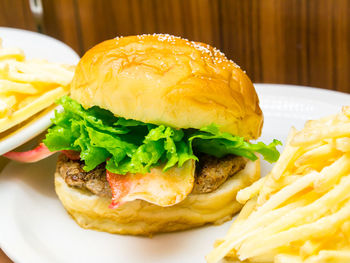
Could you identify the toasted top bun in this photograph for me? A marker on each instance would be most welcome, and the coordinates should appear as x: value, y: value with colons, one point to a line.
x: 163, y: 79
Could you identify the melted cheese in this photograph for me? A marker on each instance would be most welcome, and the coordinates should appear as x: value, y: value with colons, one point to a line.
x: 156, y: 187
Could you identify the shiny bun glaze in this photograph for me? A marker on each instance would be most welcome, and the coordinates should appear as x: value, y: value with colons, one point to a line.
x: 162, y: 79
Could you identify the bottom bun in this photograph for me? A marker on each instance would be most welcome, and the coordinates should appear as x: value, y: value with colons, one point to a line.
x: 142, y: 218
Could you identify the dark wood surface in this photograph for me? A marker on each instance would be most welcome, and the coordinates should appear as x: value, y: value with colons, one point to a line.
x: 4, y: 258
x: 304, y: 42
x: 275, y: 41
x: 16, y: 13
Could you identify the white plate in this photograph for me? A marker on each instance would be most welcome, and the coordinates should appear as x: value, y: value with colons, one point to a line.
x: 39, y: 46
x: 35, y: 228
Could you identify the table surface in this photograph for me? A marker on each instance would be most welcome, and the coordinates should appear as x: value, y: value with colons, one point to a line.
x: 3, y: 257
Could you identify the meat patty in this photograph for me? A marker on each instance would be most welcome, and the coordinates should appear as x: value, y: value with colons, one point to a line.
x: 95, y: 181
x: 211, y: 172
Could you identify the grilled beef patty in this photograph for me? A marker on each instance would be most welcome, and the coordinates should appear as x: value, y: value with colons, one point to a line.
x: 95, y: 181
x: 211, y: 172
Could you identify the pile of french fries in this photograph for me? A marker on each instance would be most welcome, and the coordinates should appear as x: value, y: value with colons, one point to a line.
x: 28, y: 86
x: 299, y: 212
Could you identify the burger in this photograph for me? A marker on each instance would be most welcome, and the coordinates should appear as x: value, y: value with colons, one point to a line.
x: 155, y: 136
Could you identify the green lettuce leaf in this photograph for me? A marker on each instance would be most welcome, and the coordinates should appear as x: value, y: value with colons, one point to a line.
x: 133, y: 146
x: 211, y: 141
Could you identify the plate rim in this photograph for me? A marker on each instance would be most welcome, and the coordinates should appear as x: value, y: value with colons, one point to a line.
x: 43, y: 122
x: 40, y: 35
x: 307, y: 89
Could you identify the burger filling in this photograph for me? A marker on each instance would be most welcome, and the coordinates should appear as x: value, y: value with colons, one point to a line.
x: 129, y: 159
x: 130, y: 146
x: 211, y: 173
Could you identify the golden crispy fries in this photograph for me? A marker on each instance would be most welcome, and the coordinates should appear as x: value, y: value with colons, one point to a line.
x: 249, y: 192
x: 300, y: 212
x: 311, y: 135
x: 346, y: 111
x: 7, y: 86
x: 6, y: 104
x: 28, y: 72
x: 330, y: 175
x: 287, y: 258
x: 318, y: 154
x: 343, y: 144
x: 28, y: 86
x: 11, y: 53
x: 32, y: 108
x: 330, y: 256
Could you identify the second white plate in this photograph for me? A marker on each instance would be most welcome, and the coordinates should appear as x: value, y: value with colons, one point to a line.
x: 37, y: 46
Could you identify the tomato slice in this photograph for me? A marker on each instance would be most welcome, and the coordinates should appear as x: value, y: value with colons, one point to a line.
x: 120, y: 187
x: 32, y: 156
x: 39, y: 153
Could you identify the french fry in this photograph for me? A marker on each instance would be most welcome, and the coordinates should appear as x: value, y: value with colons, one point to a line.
x: 287, y: 192
x: 301, y: 211
x: 321, y: 228
x: 310, y: 136
x: 24, y: 73
x: 36, y: 106
x: 28, y: 86
x: 256, y: 223
x: 11, y: 53
x: 6, y: 104
x: 287, y: 258
x: 249, y: 192
x: 331, y: 174
x: 243, y: 215
x: 269, y: 257
x: 330, y: 256
x: 346, y: 111
x: 343, y: 144
x: 307, y: 214
x: 309, y: 248
x: 239, y: 232
x: 287, y: 159
x: 7, y: 86
x: 293, y: 177
x: 318, y: 154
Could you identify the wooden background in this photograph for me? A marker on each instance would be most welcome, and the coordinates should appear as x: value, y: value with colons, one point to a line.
x: 305, y: 42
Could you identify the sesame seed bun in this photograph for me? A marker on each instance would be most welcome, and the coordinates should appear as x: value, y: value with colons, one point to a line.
x: 163, y: 79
